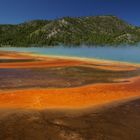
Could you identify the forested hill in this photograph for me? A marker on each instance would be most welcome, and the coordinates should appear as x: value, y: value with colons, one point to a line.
x: 93, y: 30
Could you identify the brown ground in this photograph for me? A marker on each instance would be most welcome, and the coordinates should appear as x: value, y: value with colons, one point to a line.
x: 117, y: 122
x: 29, y: 82
x: 59, y: 77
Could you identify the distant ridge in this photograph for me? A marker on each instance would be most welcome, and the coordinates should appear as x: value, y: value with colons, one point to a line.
x: 90, y: 30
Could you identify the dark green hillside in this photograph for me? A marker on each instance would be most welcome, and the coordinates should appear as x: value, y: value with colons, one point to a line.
x: 97, y: 30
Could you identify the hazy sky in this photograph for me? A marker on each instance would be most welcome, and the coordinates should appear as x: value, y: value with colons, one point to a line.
x: 16, y: 11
